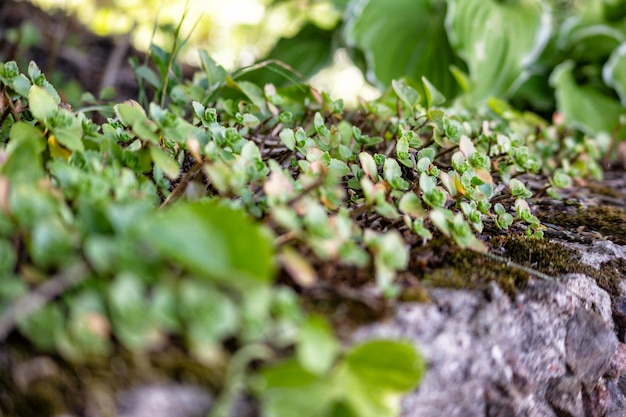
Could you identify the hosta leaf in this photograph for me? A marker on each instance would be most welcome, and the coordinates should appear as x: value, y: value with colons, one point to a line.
x: 498, y: 40
x: 584, y: 106
x: 307, y: 52
x: 213, y: 241
x: 614, y: 72
x: 403, y: 38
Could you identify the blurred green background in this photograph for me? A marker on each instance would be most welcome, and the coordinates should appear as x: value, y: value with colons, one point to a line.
x: 235, y: 32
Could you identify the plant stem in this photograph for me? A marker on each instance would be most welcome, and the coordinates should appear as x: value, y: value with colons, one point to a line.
x: 34, y: 300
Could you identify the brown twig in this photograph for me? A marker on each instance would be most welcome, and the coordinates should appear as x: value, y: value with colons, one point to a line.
x: 34, y: 300
x: 182, y: 185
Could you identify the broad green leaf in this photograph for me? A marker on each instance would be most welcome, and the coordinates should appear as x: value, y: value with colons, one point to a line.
x: 253, y: 92
x: 307, y: 52
x: 403, y: 38
x: 213, y: 241
x: 317, y: 346
x: 149, y: 75
x: 375, y: 374
x: 165, y: 162
x: 587, y: 42
x: 288, y: 390
x: 614, y: 72
x: 42, y: 105
x: 584, y: 106
x: 215, y: 73
x: 498, y: 40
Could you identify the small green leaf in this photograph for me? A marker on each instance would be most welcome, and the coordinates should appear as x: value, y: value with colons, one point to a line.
x: 43, y: 326
x: 427, y: 183
x: 209, y: 315
x: 128, y: 307
x: 402, y: 148
x: 433, y: 96
x: 149, y: 75
x: 407, y: 94
x: 42, y: 105
x: 51, y: 243
x: 440, y: 218
x: 411, y: 204
x: 369, y: 165
x: 518, y: 189
x: 165, y: 162
x: 130, y: 112
x: 561, y: 180
x: 393, y: 175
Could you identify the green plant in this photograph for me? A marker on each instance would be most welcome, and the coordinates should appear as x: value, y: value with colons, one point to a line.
x: 171, y: 219
x: 97, y: 251
x: 541, y: 55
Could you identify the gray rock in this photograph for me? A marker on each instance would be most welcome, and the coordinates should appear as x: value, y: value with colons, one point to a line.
x: 164, y: 400
x: 589, y: 345
x: 565, y: 396
x: 489, y: 355
x: 618, y: 400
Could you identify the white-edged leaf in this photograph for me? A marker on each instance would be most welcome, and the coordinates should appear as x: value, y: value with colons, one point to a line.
x: 498, y: 40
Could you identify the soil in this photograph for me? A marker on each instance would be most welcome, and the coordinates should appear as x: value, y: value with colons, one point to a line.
x: 573, y: 281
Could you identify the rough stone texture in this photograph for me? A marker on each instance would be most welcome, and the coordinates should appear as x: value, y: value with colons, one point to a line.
x: 542, y: 354
x: 164, y: 400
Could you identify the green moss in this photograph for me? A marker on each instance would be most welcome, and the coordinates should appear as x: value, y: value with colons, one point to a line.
x: 610, y: 221
x: 442, y: 264
x: 450, y: 267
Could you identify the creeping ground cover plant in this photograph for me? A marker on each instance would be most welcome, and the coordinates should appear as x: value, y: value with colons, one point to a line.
x: 205, y: 213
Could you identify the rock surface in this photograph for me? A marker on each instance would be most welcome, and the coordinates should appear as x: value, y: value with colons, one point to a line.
x: 545, y: 353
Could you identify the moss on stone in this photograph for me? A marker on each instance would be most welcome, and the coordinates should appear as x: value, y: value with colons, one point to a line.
x: 456, y: 268
x: 610, y: 221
